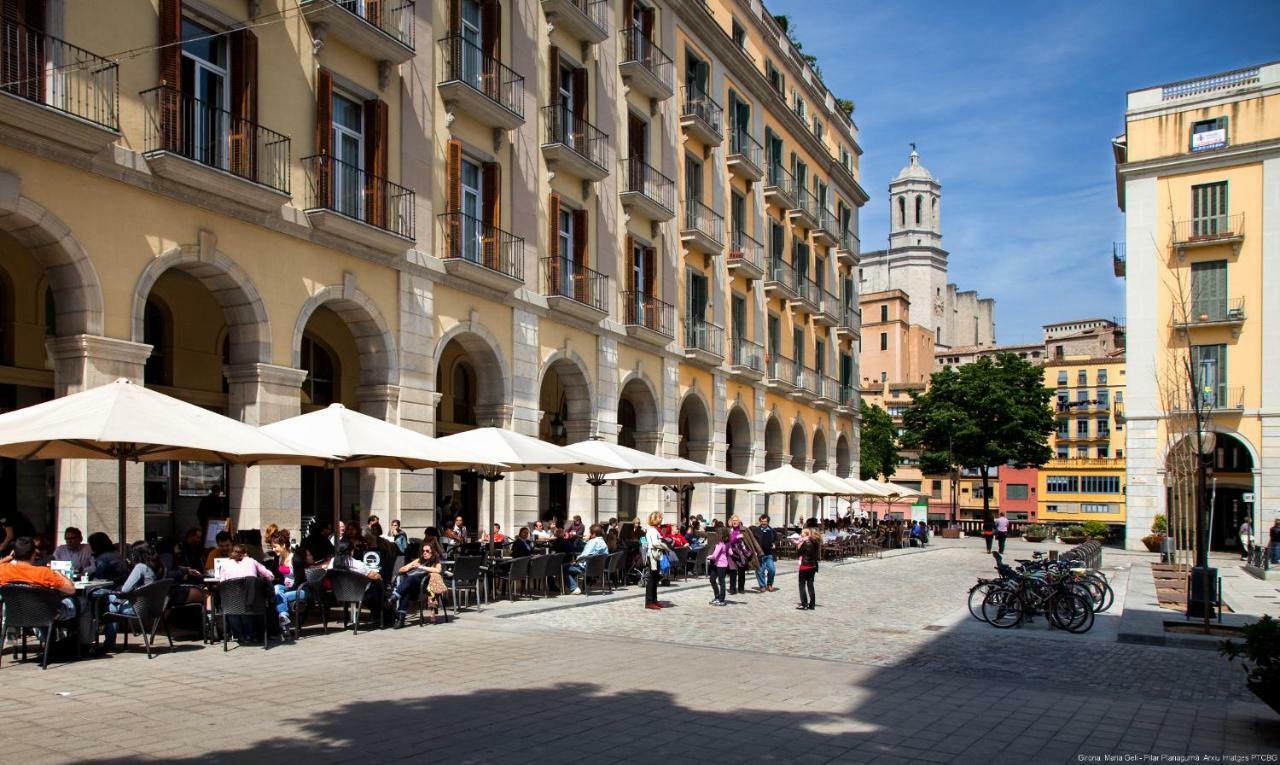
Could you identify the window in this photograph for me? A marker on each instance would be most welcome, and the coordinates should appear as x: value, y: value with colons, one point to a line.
x: 567, y: 251
x: 1051, y: 508
x: 884, y: 313
x: 936, y: 489
x: 1082, y: 427
x: 1062, y: 378
x: 473, y: 40
x: 1017, y: 491
x: 1208, y: 292
x: 1082, y: 396
x: 1210, y: 364
x: 1102, y: 377
x: 473, y: 212
x: 777, y: 241
x: 797, y: 347
x: 320, y: 388
x: 846, y: 159
x: 884, y: 341
x: 902, y: 211
x: 157, y: 331
x: 1100, y: 484
x: 739, y: 36
x: 692, y: 184
x: 1061, y: 484
x: 1082, y: 377
x: 1103, y: 452
x: 1062, y: 452
x: 817, y: 127
x: 206, y: 80
x: 1209, y: 210
x: 1064, y: 397
x: 777, y: 80
x: 1103, y: 427
x: 1209, y: 134
x: 1082, y: 452
x: 1089, y: 507
x: 1103, y: 396
x: 919, y: 208
x: 348, y: 153
x: 1064, y: 428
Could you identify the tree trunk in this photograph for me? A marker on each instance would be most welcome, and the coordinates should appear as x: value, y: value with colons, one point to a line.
x: 986, y: 496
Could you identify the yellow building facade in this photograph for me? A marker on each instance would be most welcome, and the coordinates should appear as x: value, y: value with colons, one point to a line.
x: 1198, y: 178
x: 550, y: 216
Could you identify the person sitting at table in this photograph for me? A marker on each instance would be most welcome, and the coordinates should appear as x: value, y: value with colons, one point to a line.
x: 238, y: 566
x: 146, y: 567
x: 106, y: 557
x: 522, y: 545
x: 540, y: 532
x: 561, y: 543
x: 222, y: 549
x: 398, y: 537
x: 458, y: 531
x: 18, y: 568
x: 75, y: 550
x: 347, y: 559
x: 411, y: 575
x: 595, y: 546
x: 288, y: 569
x: 575, y: 529
x: 190, y: 552
x: 497, y: 536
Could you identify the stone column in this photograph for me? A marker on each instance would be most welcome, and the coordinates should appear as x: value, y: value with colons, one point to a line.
x: 522, y: 489
x: 607, y: 392
x: 379, y: 487
x: 418, y: 396
x: 260, y: 394
x: 87, y: 489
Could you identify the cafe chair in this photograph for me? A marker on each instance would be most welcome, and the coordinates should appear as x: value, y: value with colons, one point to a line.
x: 148, y: 606
x: 35, y: 609
x: 246, y: 596
x: 555, y: 571
x: 514, y: 571
x: 595, y: 568
x: 349, y: 589
x: 538, y: 572
x: 466, y: 579
x: 617, y: 568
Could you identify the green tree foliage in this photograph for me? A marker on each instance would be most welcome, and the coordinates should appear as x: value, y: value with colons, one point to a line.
x: 879, y: 452
x: 846, y: 106
x: 980, y: 416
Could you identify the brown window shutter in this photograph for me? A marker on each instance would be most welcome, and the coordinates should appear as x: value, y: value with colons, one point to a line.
x: 453, y: 234
x: 244, y: 103
x: 628, y: 11
x: 580, y: 257
x: 170, y: 57
x: 455, y: 17
x: 376, y: 138
x: 324, y: 138
x: 631, y: 264
x: 491, y: 29
x: 491, y: 188
x: 22, y: 59
x: 553, y: 74
x: 580, y: 94
x: 646, y: 22
x: 373, y: 12
x: 553, y: 245
x: 651, y: 318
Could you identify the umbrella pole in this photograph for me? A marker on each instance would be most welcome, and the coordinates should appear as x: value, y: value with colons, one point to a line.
x: 493, y: 488
x: 122, y: 504
x: 337, y: 506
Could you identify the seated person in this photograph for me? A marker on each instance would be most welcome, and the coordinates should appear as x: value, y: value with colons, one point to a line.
x: 190, y: 552
x: 398, y: 537
x: 522, y: 545
x: 289, y: 570
x: 106, y: 557
x: 221, y: 550
x: 561, y: 543
x: 575, y: 529
x: 595, y: 546
x: 146, y: 568
x: 18, y: 568
x: 497, y: 537
x: 540, y: 532
x: 238, y: 566
x: 411, y: 576
x: 75, y: 550
x: 458, y: 531
x: 346, y: 559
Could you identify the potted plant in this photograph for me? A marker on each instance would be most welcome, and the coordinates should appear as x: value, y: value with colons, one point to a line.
x: 1036, y: 532
x: 1261, y: 652
x: 1159, y: 530
x: 1096, y: 530
x: 1073, y: 535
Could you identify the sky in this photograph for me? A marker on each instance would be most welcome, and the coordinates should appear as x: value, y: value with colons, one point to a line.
x: 1013, y: 107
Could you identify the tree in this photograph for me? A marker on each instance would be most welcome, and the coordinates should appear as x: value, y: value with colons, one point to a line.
x: 879, y: 450
x: 846, y: 106
x: 982, y: 415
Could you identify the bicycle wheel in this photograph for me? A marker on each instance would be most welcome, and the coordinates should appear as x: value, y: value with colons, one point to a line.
x: 1002, y: 608
x: 1071, y: 611
x: 977, y: 594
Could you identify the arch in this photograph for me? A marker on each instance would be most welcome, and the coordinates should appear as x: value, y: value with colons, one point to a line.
x: 772, y: 442
x: 819, y: 449
x: 694, y: 427
x: 573, y: 380
x: 902, y: 211
x: 76, y: 286
x: 231, y: 287
x: 919, y: 209
x: 379, y: 364
x: 639, y: 391
x: 798, y: 445
x: 493, y: 378
x: 843, y: 463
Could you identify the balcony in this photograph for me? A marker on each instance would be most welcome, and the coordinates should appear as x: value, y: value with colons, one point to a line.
x: 703, y: 342
x: 648, y: 319
x: 779, y: 372
x: 779, y: 187
x: 828, y: 391
x: 644, y: 66
x: 480, y: 253
x: 827, y: 231
x: 1220, y: 312
x: 1209, y: 232
x: 586, y: 20
x: 746, y: 256
x: 383, y: 30
x: 77, y: 103
x: 805, y: 210
x: 1118, y: 258
x: 480, y: 86
x: 850, y: 326
x: 574, y: 145
x: 700, y: 116
x: 850, y: 402
x: 345, y: 201
x: 806, y: 386
x: 808, y: 295
x: 746, y: 359
x: 744, y: 154
x: 781, y: 280
x: 198, y: 145
x: 647, y: 191
x: 847, y: 249
x: 573, y: 289
x: 829, y: 309
x: 1218, y: 398
x: 703, y: 228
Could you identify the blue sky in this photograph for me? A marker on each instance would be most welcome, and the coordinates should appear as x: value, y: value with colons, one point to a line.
x: 1013, y: 107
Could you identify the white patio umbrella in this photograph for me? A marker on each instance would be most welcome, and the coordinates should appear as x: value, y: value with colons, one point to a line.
x: 125, y: 422
x: 358, y: 440
x: 513, y: 451
x: 690, y: 474
x: 891, y: 492
x: 839, y: 486
x: 789, y: 480
x: 635, y: 459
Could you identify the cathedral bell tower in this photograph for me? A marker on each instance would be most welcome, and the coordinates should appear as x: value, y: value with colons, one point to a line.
x: 914, y: 200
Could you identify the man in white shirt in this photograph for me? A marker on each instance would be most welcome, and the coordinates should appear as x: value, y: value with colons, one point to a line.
x: 75, y: 550
x: 1002, y: 530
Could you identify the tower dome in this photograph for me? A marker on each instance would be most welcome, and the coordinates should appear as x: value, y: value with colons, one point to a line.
x: 914, y: 170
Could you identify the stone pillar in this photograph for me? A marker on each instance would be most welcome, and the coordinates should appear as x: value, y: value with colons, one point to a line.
x: 418, y: 396
x: 522, y: 489
x: 87, y: 489
x: 379, y: 487
x: 1267, y: 490
x: 260, y: 394
x: 607, y: 392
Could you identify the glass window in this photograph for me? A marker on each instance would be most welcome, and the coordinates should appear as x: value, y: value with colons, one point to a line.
x: 1082, y: 427
x: 348, y: 155
x: 1102, y: 377
x: 1062, y: 452
x: 1210, y: 364
x: 1209, y: 209
x: 1103, y: 452
x: 1064, y: 428
x: 1082, y: 377
x: 472, y: 212
x: 884, y: 341
x: 1018, y: 491
x: 1062, y: 377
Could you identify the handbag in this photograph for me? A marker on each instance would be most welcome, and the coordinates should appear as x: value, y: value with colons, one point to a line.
x: 664, y: 565
x: 436, y: 585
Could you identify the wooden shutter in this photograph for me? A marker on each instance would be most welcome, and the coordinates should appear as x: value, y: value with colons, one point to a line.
x: 580, y: 257
x: 324, y: 139
x: 553, y: 245
x: 580, y: 93
x: 491, y: 47
x: 22, y: 51
x: 170, y: 56
x: 244, y: 103
x: 651, y: 318
x: 491, y: 189
x: 376, y: 138
x: 559, y: 130
x: 453, y: 200
x: 646, y: 23
x: 373, y: 12
x: 628, y: 13
x: 455, y: 17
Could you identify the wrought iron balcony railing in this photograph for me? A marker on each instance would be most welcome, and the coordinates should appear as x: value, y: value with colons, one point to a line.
x: 702, y: 219
x: 637, y: 47
x: 780, y: 177
x: 1211, y: 311
x: 741, y: 144
x: 350, y: 191
x: 747, y: 354
x: 644, y: 310
x: 465, y: 62
x: 392, y: 18
x: 642, y: 178
x: 585, y: 139
x: 1208, y: 230
x: 743, y: 248
x: 573, y: 280
x: 46, y: 70
x: 471, y: 239
x: 694, y: 102
x: 704, y: 336
x: 848, y: 396
x: 779, y: 368
x: 782, y: 273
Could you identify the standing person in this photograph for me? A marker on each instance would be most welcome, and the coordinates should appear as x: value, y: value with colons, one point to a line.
x: 657, y: 549
x: 1001, y: 530
x: 988, y: 532
x: 398, y: 537
x: 808, y: 553
x: 1246, y: 538
x: 718, y: 563
x: 740, y: 554
x: 766, y: 569
x: 1275, y: 541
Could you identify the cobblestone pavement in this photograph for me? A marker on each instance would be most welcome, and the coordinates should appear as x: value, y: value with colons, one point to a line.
x: 859, y: 680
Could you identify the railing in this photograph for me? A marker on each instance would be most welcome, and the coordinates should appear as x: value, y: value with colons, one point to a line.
x: 1211, y: 310
x: 830, y: 303
x: 703, y: 335
x: 48, y: 71
x: 1224, y: 81
x: 779, y: 367
x: 848, y: 395
x: 395, y: 21
x: 636, y: 46
x: 567, y: 278
x: 1216, y: 397
x: 1208, y: 228
x: 828, y: 388
x: 466, y: 62
x: 747, y: 354
x: 848, y: 241
x: 642, y: 178
x: 644, y: 310
x: 1118, y: 258
x: 779, y: 176
x: 350, y: 191
x: 597, y: 11
x: 696, y: 103
x: 743, y: 248
x: 828, y: 223
x: 469, y: 238
x: 586, y: 140
x: 808, y: 290
x: 742, y: 144
x: 781, y: 271
x: 204, y: 133
x: 806, y: 379
x: 805, y: 201
x: 851, y: 317
x: 698, y: 217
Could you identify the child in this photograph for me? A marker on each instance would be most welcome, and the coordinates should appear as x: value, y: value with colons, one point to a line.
x: 809, y: 553
x: 718, y: 566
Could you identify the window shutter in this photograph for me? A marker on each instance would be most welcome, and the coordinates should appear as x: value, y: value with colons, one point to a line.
x: 170, y: 56
x: 553, y: 245
x: 22, y: 62
x: 491, y: 189
x: 631, y: 264
x: 651, y: 318
x: 491, y: 47
x: 324, y: 138
x: 580, y: 94
x: 244, y: 103
x: 376, y: 138
x: 580, y: 255
x: 646, y: 24
x: 553, y: 72
x: 628, y: 12
x: 455, y: 17
x: 453, y: 200
x: 373, y: 12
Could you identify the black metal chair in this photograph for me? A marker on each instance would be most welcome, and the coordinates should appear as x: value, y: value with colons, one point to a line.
x: 466, y: 577
x: 593, y: 567
x: 538, y: 572
x: 422, y: 601
x: 555, y: 571
x: 245, y: 596
x: 681, y: 568
x: 698, y: 563
x: 617, y: 568
x: 349, y: 589
x: 315, y: 595
x: 511, y: 571
x: 25, y: 607
x: 206, y: 635
x: 147, y: 604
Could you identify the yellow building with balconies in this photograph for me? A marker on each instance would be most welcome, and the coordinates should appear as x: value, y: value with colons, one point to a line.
x: 1197, y: 176
x: 561, y: 217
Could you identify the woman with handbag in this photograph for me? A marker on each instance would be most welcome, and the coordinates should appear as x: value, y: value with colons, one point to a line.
x: 427, y: 565
x: 740, y: 555
x: 657, y: 556
x: 808, y: 553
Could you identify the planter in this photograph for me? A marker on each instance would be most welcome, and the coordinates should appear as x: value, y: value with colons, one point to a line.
x: 1269, y: 695
x: 1035, y: 538
x: 1153, y: 542
x: 1074, y: 540
x: 951, y: 533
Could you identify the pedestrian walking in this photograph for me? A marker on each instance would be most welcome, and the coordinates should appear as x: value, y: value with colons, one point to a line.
x: 1001, y: 531
x: 717, y: 568
x: 1246, y: 537
x: 740, y: 554
x: 808, y: 553
x: 657, y: 552
x: 988, y: 531
x: 766, y: 567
